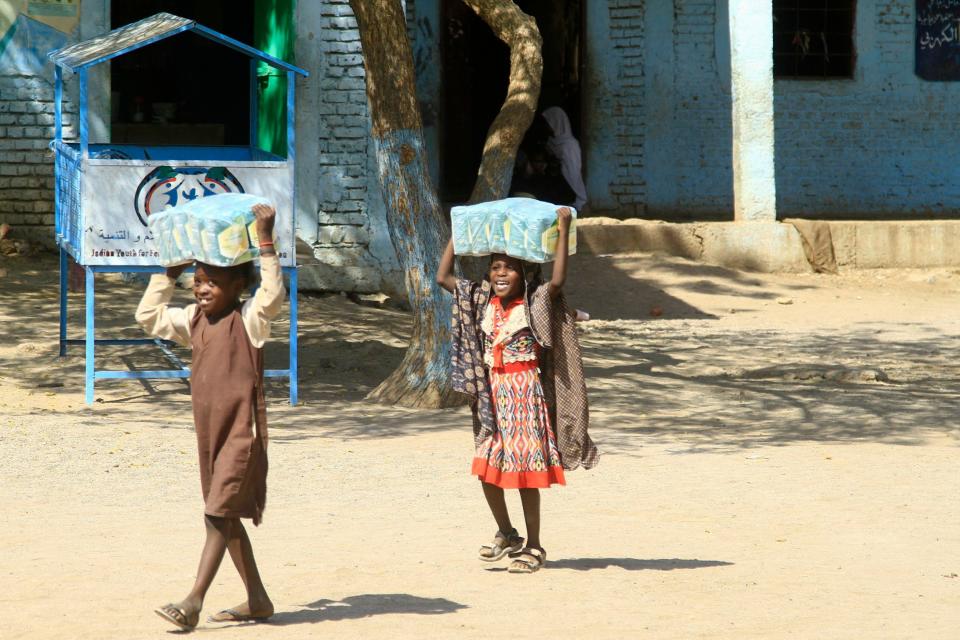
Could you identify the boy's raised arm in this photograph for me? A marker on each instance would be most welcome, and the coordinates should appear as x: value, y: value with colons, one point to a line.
x: 156, y: 316
x: 445, y: 277
x: 268, y: 300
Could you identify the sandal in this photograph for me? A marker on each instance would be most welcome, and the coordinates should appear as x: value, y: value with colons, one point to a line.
x: 527, y: 561
x: 232, y: 615
x: 503, y: 544
x: 178, y: 617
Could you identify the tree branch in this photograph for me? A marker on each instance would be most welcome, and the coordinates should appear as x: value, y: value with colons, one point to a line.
x: 519, y: 31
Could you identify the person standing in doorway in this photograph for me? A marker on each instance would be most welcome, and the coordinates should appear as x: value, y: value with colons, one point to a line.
x: 566, y: 150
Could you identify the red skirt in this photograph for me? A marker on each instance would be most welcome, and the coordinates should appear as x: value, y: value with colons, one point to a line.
x: 522, y: 452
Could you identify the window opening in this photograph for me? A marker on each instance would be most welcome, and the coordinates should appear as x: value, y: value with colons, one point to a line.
x: 813, y: 38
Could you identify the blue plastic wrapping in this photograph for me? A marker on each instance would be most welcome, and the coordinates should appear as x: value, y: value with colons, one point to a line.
x: 520, y: 227
x: 220, y: 230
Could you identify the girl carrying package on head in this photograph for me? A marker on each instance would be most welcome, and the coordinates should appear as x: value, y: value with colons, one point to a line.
x: 516, y: 355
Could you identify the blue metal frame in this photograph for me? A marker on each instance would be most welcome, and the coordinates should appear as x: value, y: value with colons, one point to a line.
x: 291, y: 156
x: 82, y: 116
x: 122, y: 52
x: 206, y: 32
x: 253, y: 52
x: 90, y: 341
x: 73, y: 246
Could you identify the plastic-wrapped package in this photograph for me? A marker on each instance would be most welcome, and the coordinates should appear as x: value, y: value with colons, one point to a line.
x: 520, y: 227
x: 218, y: 230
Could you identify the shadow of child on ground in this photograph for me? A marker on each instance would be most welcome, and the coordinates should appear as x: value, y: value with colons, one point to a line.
x: 634, y: 564
x: 364, y: 606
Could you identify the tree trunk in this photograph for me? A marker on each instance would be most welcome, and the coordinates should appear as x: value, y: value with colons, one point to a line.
x: 519, y: 31
x: 416, y: 223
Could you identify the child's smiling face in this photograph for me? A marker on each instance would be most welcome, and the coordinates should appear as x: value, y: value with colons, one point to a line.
x: 506, y: 276
x: 216, y: 289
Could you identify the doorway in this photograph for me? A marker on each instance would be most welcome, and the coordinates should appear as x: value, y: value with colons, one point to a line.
x: 476, y: 68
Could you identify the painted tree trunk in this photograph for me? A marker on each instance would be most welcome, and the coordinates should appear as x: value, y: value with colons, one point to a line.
x: 416, y: 223
x: 519, y: 31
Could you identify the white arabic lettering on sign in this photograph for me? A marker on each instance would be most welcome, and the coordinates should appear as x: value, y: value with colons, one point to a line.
x: 938, y: 24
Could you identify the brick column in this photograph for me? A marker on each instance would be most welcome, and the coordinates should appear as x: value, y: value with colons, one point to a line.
x: 751, y: 70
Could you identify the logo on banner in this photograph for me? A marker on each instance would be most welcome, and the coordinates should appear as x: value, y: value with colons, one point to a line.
x: 166, y: 187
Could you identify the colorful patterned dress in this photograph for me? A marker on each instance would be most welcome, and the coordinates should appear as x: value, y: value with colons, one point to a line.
x: 522, y: 452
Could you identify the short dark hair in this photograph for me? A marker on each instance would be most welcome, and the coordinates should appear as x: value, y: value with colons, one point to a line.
x: 244, y: 271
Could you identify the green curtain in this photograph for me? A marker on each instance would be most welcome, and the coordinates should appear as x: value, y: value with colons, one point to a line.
x: 274, y: 33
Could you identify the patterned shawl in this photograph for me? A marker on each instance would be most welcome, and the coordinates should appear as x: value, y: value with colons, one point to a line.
x: 560, y: 365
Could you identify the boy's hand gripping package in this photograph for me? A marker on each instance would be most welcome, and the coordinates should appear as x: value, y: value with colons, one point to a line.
x: 520, y: 227
x: 220, y: 230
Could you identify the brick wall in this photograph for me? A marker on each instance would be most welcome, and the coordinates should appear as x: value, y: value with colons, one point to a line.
x: 344, y: 131
x: 874, y: 145
x: 341, y: 209
x: 702, y: 123
x: 627, y: 184
x: 26, y: 162
x: 879, y: 144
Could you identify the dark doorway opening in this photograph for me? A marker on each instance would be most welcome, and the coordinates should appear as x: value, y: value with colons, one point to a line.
x: 476, y: 68
x: 185, y: 89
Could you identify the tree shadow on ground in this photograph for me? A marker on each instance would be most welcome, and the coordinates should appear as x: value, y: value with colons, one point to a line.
x: 621, y: 296
x: 630, y: 287
x: 365, y: 606
x: 700, y: 388
x: 685, y: 382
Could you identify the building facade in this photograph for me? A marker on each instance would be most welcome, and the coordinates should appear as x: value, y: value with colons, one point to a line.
x: 686, y: 110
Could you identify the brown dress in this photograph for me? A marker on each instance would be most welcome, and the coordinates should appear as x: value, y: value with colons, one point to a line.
x: 230, y: 416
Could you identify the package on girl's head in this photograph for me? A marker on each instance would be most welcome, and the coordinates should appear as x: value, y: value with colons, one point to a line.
x: 220, y: 230
x: 520, y: 227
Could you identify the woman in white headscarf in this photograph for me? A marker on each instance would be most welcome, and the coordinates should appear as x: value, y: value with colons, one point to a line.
x: 566, y: 149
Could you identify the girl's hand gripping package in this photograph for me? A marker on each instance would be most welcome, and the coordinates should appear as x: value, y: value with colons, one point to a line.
x: 520, y: 227
x: 220, y: 230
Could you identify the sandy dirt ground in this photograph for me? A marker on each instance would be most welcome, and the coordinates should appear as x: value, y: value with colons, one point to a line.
x: 780, y: 461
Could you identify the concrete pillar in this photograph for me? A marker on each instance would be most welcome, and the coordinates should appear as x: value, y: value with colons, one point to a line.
x: 751, y: 87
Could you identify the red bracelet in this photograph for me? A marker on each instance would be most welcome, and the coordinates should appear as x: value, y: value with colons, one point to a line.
x: 266, y: 244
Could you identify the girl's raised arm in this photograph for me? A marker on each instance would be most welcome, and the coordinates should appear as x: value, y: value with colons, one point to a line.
x: 445, y: 277
x: 564, y: 215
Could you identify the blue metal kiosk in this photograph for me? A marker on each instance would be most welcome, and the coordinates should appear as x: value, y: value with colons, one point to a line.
x: 105, y: 192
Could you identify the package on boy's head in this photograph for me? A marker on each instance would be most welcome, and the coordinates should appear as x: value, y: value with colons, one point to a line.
x: 520, y: 227
x: 220, y: 230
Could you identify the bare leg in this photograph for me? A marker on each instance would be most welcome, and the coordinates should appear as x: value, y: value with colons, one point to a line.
x: 530, y: 498
x: 498, y: 506
x: 258, y: 603
x: 218, y: 530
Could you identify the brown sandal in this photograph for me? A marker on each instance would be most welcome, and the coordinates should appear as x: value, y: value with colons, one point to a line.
x: 178, y: 617
x: 503, y: 545
x: 529, y: 560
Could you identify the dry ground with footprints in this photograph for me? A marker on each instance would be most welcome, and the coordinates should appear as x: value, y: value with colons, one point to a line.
x: 780, y: 461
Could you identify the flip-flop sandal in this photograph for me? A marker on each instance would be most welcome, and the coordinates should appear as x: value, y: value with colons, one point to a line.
x: 231, y: 615
x: 503, y: 545
x: 178, y: 617
x: 527, y: 561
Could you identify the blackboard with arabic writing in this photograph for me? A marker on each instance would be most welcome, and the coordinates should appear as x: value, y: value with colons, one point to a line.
x: 938, y: 39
